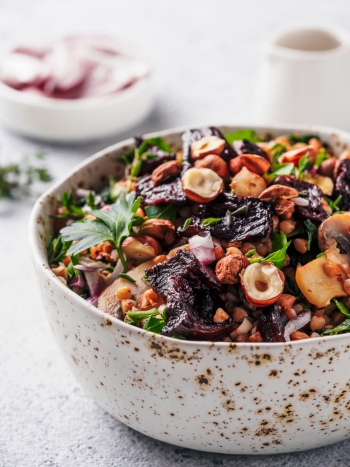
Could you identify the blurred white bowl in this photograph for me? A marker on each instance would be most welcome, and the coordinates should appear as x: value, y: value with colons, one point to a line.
x: 74, y: 120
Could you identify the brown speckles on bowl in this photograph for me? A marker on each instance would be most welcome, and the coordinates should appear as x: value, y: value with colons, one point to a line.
x: 231, y: 398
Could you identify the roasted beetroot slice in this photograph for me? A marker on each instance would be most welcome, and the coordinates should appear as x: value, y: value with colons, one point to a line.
x: 314, y: 211
x: 271, y: 324
x: 248, y: 147
x: 148, y: 165
x: 183, y: 264
x: 192, y: 294
x: 257, y: 222
x: 342, y: 184
x: 169, y: 192
x: 189, y: 136
x: 184, y: 314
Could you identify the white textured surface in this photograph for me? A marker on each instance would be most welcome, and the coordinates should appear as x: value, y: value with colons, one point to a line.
x: 205, y: 54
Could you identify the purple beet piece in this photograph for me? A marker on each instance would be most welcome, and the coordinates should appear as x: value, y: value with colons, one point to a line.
x: 169, y: 192
x: 189, y: 136
x: 342, y: 184
x: 256, y: 222
x: 271, y: 324
x: 314, y: 211
x: 250, y: 148
x: 192, y: 294
x: 148, y: 165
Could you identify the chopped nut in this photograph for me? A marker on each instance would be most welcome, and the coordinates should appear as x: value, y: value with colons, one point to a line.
x: 256, y: 337
x: 298, y: 335
x: 164, y: 171
x: 61, y: 271
x: 247, y: 183
x: 216, y: 163
x: 327, y: 167
x: 254, y: 163
x: 231, y: 250
x: 229, y: 268
x: 315, y: 143
x: 207, y: 145
x: 287, y: 226
x: 124, y: 293
x: 295, y: 154
x: 243, y: 338
x: 317, y: 323
x: 219, y: 253
x: 246, y: 246
x: 161, y: 229
x: 239, y: 314
x: 300, y: 244
x: 220, y: 316
x: 175, y: 250
x: 286, y: 300
x: 278, y: 191
x: 127, y: 305
x: 160, y: 259
x: 261, y: 249
x: 201, y: 185
x: 290, y: 313
x: 284, y: 208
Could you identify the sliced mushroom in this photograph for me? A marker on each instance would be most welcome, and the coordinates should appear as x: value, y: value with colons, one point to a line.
x: 108, y: 301
x: 334, y: 232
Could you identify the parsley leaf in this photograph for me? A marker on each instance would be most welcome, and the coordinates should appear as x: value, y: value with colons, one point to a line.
x: 126, y: 277
x: 154, y: 325
x: 310, y: 230
x: 343, y: 327
x: 250, y: 135
x: 162, y: 211
x: 321, y: 157
x: 334, y: 205
x: 210, y: 221
x: 342, y: 307
x: 159, y: 142
x: 187, y: 223
x: 137, y: 316
x: 277, y: 150
x: 278, y: 256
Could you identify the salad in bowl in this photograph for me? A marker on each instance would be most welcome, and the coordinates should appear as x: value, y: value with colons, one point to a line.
x: 238, y: 237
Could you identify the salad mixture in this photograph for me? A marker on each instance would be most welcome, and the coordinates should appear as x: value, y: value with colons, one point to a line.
x: 233, y: 238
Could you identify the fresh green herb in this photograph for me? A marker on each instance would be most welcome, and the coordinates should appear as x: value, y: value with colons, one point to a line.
x: 154, y: 325
x: 321, y: 157
x: 342, y: 308
x: 17, y: 179
x: 295, y: 138
x: 250, y: 253
x: 137, y: 316
x: 159, y: 142
x: 177, y: 336
x: 310, y: 229
x: 278, y: 257
x: 136, y: 164
x: 90, y: 200
x: 250, y: 135
x: 69, y: 208
x: 334, y: 205
x: 305, y: 163
x: 57, y: 249
x: 72, y: 272
x: 278, y: 240
x: 126, y: 277
x: 343, y: 327
x: 210, y: 221
x: 114, y: 226
x: 281, y: 169
x: 277, y: 150
x: 291, y: 287
x: 320, y: 254
x: 144, y: 278
x: 242, y: 211
x: 187, y: 223
x: 162, y: 211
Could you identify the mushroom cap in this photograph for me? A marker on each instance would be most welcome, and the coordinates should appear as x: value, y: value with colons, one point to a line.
x: 334, y: 232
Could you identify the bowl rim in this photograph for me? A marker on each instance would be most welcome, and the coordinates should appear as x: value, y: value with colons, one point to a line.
x: 40, y: 259
x: 50, y: 103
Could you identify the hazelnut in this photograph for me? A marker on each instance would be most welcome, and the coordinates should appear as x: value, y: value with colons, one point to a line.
x: 161, y: 229
x: 247, y: 183
x: 214, y: 162
x: 287, y: 226
x: 298, y: 335
x: 201, y: 185
x: 140, y: 249
x: 284, y: 208
x: 256, y: 337
x: 262, y: 283
x: 164, y: 171
x: 300, y: 244
x: 295, y: 155
x: 220, y: 316
x: 229, y: 268
x: 256, y: 164
x: 327, y: 167
x: 207, y: 145
x: 278, y: 191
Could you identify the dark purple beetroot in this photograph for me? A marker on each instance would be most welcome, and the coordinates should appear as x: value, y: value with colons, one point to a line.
x: 314, y: 211
x: 247, y: 147
x: 189, y: 136
x: 169, y: 192
x: 342, y: 184
x: 271, y: 324
x: 192, y: 294
x: 257, y: 222
x: 148, y: 165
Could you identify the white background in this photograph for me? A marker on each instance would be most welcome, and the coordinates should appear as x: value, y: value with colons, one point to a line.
x: 206, y: 55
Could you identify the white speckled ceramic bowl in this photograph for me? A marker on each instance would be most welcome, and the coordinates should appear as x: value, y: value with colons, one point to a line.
x: 229, y: 398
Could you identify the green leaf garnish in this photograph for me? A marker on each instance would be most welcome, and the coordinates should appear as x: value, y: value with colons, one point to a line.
x: 305, y: 163
x: 342, y: 308
x: 277, y: 150
x: 334, y: 205
x: 187, y: 223
x: 321, y: 157
x: 126, y: 277
x: 250, y: 253
x: 310, y: 230
x: 282, y: 169
x: 239, y: 135
x: 210, y: 221
x: 295, y: 138
x: 278, y: 240
x: 159, y: 142
x: 320, y: 254
x: 242, y: 211
x: 144, y: 278
x: 154, y: 325
x: 162, y: 211
x: 343, y: 327
x: 277, y: 257
x: 137, y: 316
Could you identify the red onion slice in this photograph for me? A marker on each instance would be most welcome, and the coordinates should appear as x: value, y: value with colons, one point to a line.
x: 297, y: 323
x: 94, y: 283
x: 93, y: 300
x: 77, y: 281
x: 300, y: 201
x: 90, y: 267
x: 202, y: 248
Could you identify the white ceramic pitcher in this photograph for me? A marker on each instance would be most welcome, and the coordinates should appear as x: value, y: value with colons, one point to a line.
x: 305, y: 77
